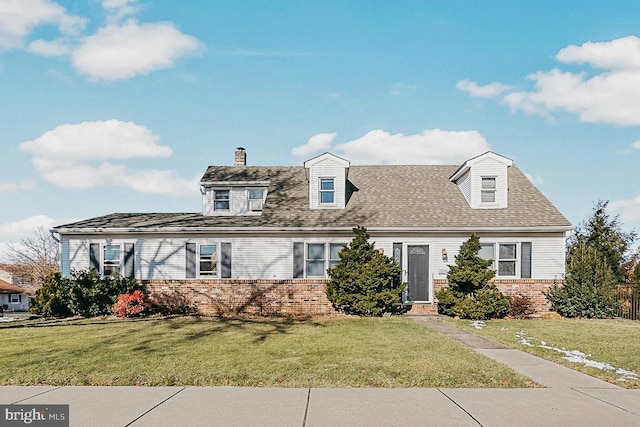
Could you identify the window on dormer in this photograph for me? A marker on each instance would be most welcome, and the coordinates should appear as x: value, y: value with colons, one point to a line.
x: 488, y: 194
x: 221, y: 200
x: 327, y: 190
x: 255, y: 194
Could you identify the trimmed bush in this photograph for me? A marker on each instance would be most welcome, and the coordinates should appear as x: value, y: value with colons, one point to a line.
x: 51, y: 299
x: 520, y: 307
x: 90, y: 295
x: 130, y: 304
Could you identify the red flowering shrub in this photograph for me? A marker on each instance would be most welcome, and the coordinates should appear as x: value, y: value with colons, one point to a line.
x: 130, y: 304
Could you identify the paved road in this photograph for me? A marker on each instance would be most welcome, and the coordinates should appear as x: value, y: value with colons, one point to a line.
x: 568, y: 399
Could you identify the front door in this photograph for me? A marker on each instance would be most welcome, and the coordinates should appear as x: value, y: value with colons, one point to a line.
x: 418, y: 273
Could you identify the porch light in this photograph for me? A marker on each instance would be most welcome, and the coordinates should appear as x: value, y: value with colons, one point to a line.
x: 445, y: 257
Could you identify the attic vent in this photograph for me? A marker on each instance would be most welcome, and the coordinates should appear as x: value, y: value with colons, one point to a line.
x: 255, y: 205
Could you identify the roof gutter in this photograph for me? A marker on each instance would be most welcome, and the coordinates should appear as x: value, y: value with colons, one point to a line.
x: 292, y: 230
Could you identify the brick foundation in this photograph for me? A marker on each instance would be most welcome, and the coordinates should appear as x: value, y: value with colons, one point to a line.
x: 226, y: 297
x: 526, y: 287
x: 303, y: 297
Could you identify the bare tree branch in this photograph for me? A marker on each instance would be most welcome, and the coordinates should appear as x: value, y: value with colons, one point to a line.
x: 31, y: 261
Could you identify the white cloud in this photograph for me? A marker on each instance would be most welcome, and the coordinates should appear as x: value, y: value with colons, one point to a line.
x: 629, y: 211
x: 537, y: 180
x: 431, y: 146
x: 119, y: 9
x: 487, y: 91
x: 13, y: 232
x: 79, y: 155
x: 618, y: 54
x: 319, y: 142
x: 117, y: 50
x: 26, y: 184
x: 108, y: 139
x: 58, y: 47
x: 636, y: 145
x: 610, y: 96
x: 123, y: 51
x: 18, y: 18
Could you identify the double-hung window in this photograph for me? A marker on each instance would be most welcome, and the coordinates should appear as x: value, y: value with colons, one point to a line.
x: 327, y: 191
x: 509, y: 259
x: 208, y: 260
x: 488, y: 192
x: 256, y: 197
x: 112, y: 259
x: 15, y: 298
x: 313, y: 259
x: 221, y: 200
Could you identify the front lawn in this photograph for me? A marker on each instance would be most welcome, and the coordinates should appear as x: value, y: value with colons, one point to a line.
x: 336, y: 352
x: 613, y: 342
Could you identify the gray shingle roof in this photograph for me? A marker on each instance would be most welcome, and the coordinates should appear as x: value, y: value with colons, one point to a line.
x: 380, y: 197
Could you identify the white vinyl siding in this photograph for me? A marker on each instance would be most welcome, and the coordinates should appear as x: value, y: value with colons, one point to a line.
x: 464, y: 183
x: 162, y: 257
x: 232, y: 201
x: 327, y: 167
x: 485, y: 182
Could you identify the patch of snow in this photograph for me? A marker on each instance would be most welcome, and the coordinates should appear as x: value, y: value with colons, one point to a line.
x: 478, y: 324
x: 521, y: 336
x: 576, y: 356
x: 7, y: 319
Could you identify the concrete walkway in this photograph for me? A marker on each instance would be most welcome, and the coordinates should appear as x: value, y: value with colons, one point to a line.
x: 569, y: 399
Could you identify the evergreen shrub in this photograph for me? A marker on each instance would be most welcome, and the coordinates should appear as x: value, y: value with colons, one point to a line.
x: 365, y: 281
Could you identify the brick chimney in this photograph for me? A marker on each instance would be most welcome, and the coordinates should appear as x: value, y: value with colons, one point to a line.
x: 240, y: 157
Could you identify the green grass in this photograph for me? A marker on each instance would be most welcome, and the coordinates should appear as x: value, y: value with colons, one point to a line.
x: 615, y: 341
x: 335, y: 352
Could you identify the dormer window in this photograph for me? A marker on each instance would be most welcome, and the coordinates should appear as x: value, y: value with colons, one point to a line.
x: 221, y: 200
x: 488, y: 194
x: 327, y: 191
x: 256, y: 197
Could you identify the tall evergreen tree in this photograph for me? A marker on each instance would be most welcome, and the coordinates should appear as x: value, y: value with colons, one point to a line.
x: 365, y: 281
x: 589, y: 289
x: 605, y: 235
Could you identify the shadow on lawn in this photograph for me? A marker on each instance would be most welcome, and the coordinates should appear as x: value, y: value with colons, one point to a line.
x: 190, y: 328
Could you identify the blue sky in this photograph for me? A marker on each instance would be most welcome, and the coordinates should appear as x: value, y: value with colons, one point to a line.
x: 120, y: 105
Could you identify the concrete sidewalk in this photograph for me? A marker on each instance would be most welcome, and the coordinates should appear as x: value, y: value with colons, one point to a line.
x: 232, y: 406
x: 570, y: 399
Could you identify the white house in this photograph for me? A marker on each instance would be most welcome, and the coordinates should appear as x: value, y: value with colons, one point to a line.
x: 12, y: 297
x: 266, y: 234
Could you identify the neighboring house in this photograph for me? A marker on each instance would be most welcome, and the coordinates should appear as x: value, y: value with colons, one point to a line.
x: 12, y: 297
x: 267, y: 234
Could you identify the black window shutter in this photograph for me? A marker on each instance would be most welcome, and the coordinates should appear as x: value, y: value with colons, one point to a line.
x: 298, y: 260
x: 525, y: 265
x: 225, y: 262
x: 94, y: 256
x: 129, y: 260
x: 190, y: 261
